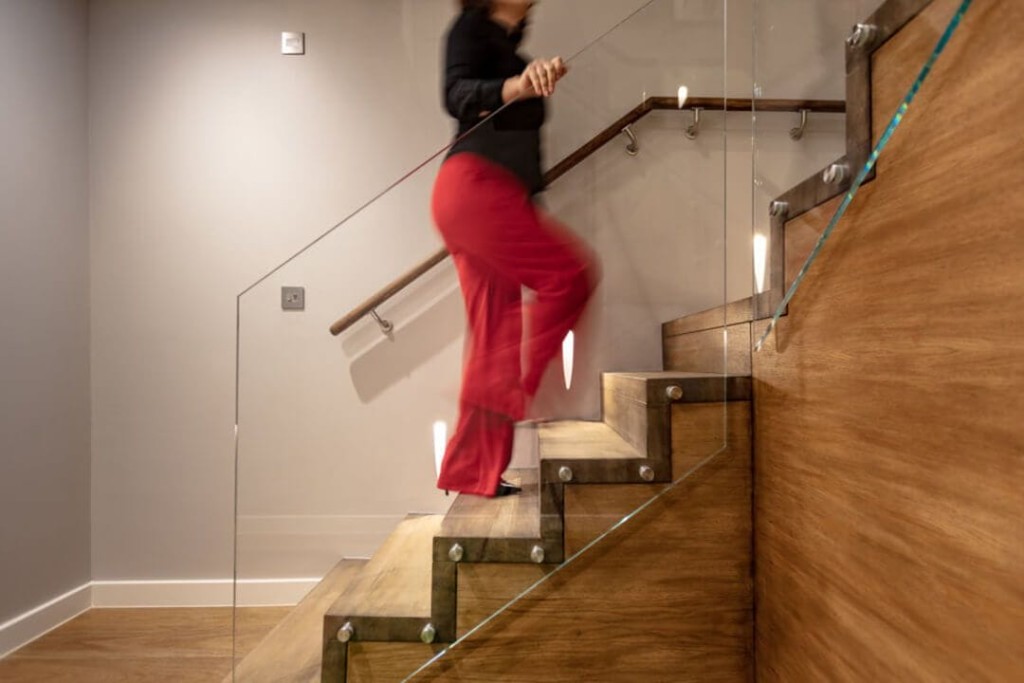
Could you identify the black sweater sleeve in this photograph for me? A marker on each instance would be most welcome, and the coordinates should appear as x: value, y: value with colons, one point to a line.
x: 468, y: 91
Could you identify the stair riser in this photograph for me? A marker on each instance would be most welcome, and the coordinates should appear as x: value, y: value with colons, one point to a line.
x: 385, y: 662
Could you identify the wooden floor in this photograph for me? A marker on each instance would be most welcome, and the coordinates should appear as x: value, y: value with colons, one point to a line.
x: 184, y: 645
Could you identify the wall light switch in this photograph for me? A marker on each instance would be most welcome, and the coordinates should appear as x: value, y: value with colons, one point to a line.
x: 293, y: 43
x: 293, y: 298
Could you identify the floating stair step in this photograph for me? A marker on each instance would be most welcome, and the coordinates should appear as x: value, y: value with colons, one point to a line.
x: 583, y: 440
x: 651, y: 388
x: 292, y: 650
x: 396, y: 581
x: 515, y: 516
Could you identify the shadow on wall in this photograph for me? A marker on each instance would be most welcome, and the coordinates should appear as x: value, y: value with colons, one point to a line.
x: 395, y: 357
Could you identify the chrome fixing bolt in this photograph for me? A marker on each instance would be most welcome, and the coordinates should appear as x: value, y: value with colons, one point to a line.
x: 835, y: 174
x: 428, y: 634
x: 537, y: 554
x: 646, y: 473
x: 862, y: 35
x: 565, y: 474
x: 778, y: 208
x: 674, y: 392
x: 346, y: 632
x: 456, y: 553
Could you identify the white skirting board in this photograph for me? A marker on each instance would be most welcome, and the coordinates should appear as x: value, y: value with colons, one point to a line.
x: 25, y: 628
x: 202, y: 593
x: 305, y: 547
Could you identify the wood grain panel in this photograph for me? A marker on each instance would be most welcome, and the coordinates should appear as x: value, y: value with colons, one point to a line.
x: 386, y: 662
x: 701, y: 429
x: 698, y: 431
x: 666, y: 597
x: 592, y: 509
x: 484, y: 588
x: 714, y: 318
x: 890, y: 445
x: 802, y: 234
x: 703, y: 351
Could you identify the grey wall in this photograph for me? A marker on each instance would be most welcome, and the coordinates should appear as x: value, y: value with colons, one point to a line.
x: 213, y: 158
x: 44, y: 305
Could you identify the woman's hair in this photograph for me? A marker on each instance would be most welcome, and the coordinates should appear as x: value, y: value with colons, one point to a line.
x: 475, y: 4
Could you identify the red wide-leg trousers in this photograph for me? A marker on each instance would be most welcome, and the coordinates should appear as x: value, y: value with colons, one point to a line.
x: 500, y: 241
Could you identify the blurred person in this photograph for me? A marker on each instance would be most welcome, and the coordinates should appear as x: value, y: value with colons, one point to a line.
x: 484, y: 206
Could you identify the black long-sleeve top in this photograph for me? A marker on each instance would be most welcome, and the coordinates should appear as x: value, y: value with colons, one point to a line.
x: 481, y: 55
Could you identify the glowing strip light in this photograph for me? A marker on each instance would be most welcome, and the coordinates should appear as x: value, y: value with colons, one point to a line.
x: 760, y: 260
x: 568, y: 347
x: 440, y: 442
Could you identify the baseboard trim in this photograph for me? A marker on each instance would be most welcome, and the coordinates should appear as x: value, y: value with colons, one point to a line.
x: 25, y: 628
x: 201, y: 593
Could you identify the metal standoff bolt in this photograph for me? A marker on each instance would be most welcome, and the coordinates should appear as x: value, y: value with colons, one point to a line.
x: 862, y: 35
x: 428, y: 634
x: 674, y: 392
x: 633, y: 147
x: 537, y: 554
x: 778, y: 208
x: 646, y: 473
x: 346, y: 632
x: 835, y: 174
x: 565, y: 474
x: 456, y: 553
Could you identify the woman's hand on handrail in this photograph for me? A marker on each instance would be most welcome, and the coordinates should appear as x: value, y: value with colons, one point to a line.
x: 537, y: 80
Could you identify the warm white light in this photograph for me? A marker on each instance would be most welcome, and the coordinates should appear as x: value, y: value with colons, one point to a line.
x: 568, y: 345
x: 684, y: 93
x: 440, y: 442
x: 760, y: 259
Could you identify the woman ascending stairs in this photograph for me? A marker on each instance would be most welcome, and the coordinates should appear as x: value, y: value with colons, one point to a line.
x: 500, y: 240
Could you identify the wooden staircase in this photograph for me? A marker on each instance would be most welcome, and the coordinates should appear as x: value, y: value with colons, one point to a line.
x: 438, y: 576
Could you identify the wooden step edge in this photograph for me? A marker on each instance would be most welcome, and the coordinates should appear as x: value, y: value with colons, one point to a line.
x: 507, y: 529
x: 652, y: 388
x: 507, y: 517
x: 570, y: 440
x: 390, y: 597
x: 291, y: 651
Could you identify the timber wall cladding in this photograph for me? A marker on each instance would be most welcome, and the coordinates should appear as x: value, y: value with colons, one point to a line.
x: 889, y: 497
x: 666, y: 597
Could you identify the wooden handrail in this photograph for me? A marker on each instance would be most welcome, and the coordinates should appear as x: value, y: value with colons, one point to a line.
x: 585, y: 151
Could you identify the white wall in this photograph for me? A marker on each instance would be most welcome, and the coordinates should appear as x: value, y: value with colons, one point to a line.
x: 214, y: 157
x: 44, y: 277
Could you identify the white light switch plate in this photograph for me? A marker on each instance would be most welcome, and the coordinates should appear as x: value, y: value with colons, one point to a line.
x: 293, y: 43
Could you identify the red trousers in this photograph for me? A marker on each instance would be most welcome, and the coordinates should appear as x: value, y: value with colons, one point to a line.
x: 500, y: 241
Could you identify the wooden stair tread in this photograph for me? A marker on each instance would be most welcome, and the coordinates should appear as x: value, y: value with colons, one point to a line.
x: 292, y: 650
x: 515, y: 516
x: 698, y: 387
x: 396, y: 581
x: 580, y: 439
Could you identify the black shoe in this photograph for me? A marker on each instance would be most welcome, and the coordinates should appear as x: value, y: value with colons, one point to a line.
x: 507, y: 489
